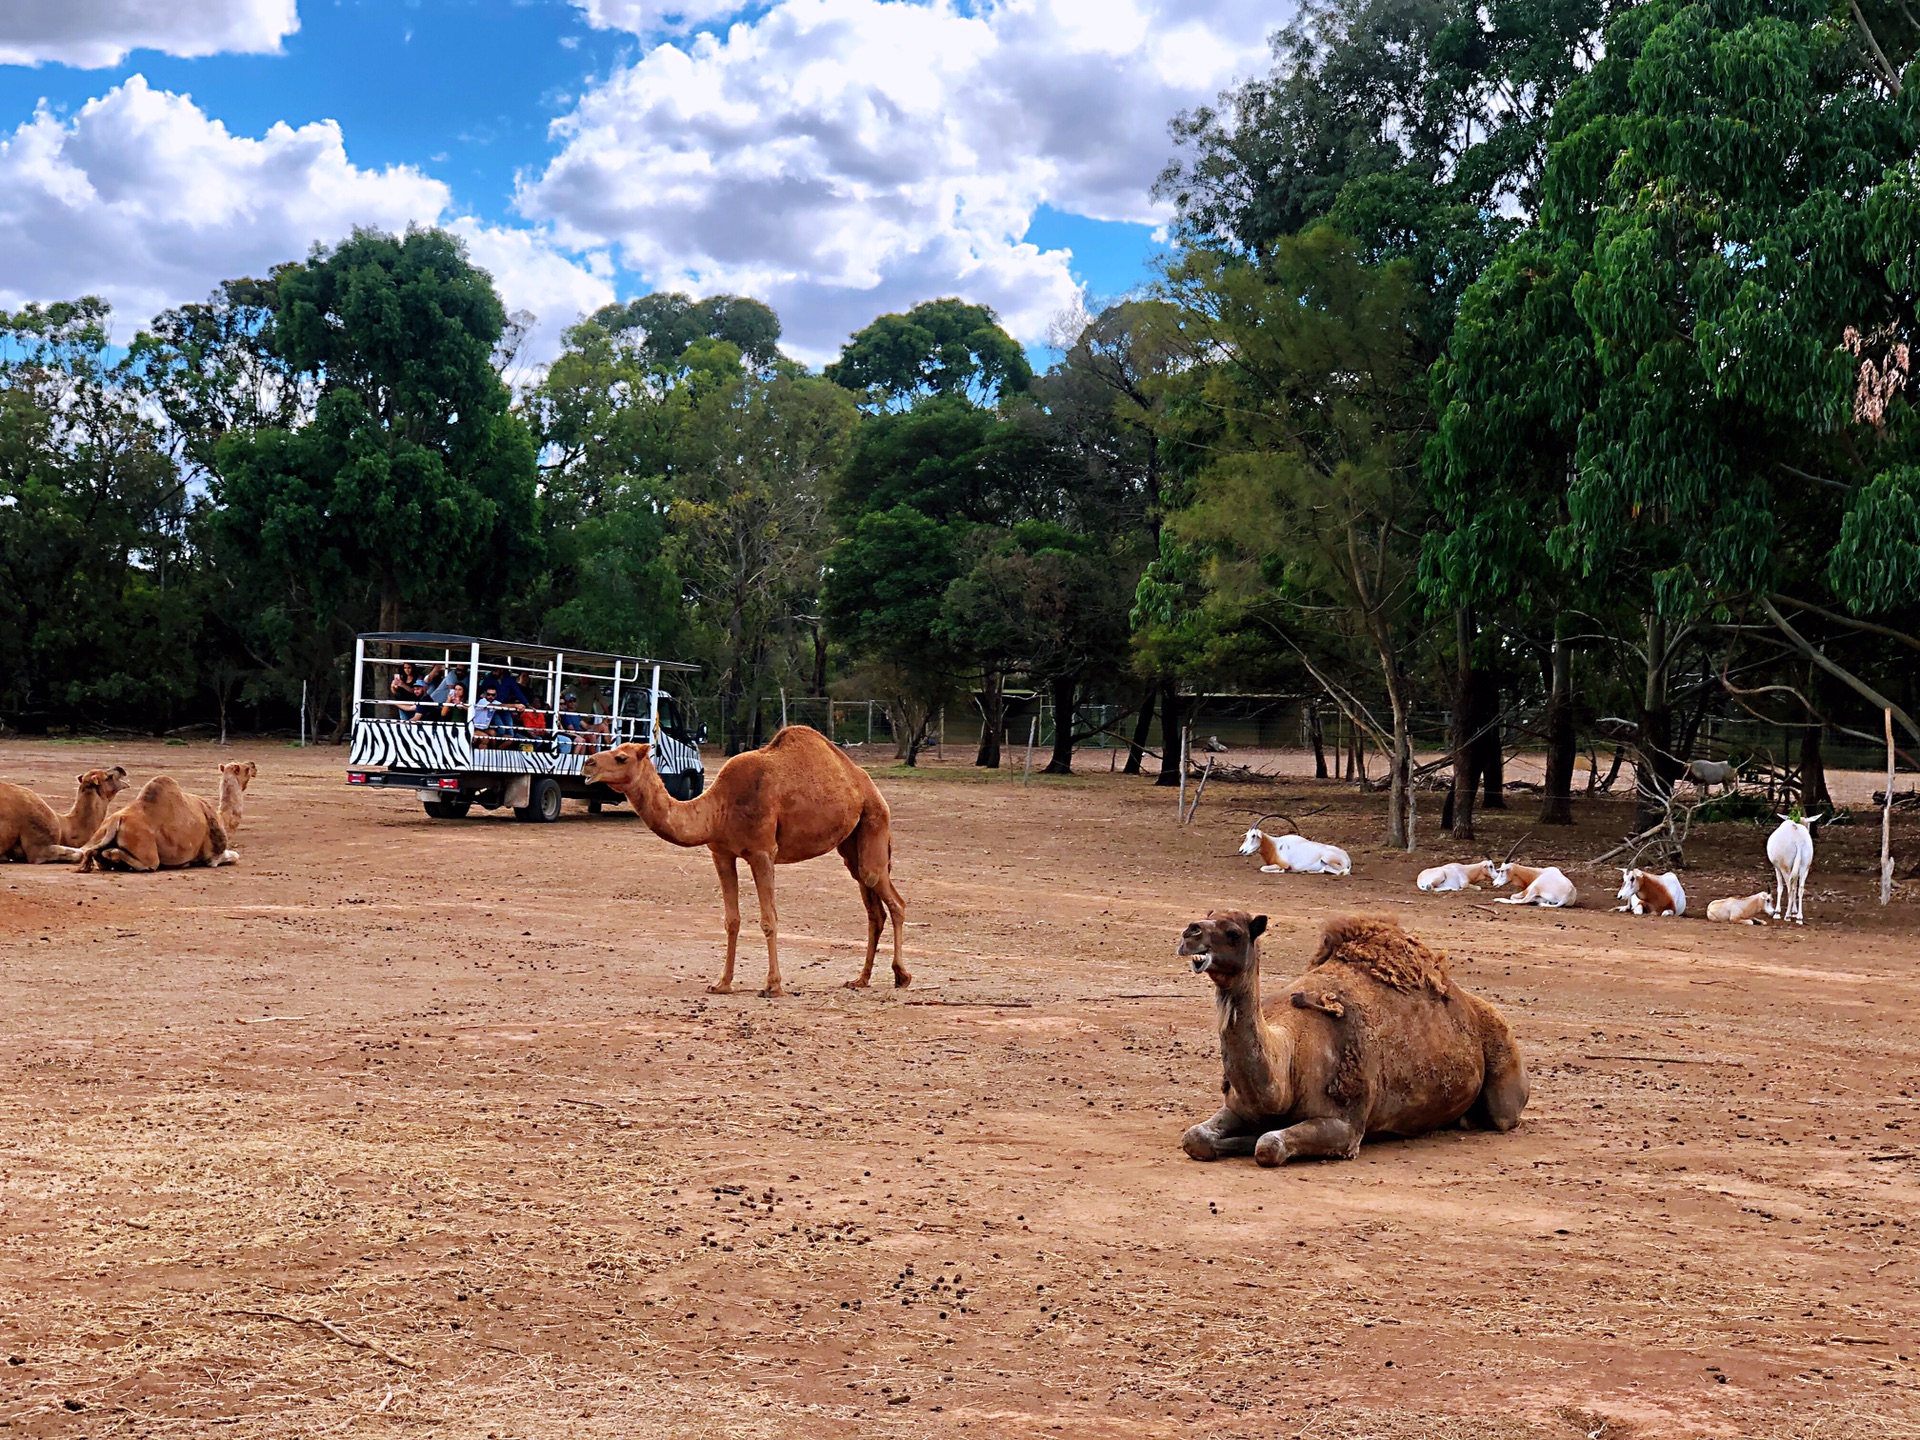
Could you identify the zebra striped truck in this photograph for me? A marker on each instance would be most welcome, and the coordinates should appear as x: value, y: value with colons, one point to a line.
x: 462, y: 721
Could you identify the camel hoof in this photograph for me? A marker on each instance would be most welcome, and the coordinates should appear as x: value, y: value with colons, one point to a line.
x: 719, y: 989
x: 901, y: 980
x: 773, y: 992
x: 1271, y: 1150
x: 1199, y: 1144
x: 859, y: 984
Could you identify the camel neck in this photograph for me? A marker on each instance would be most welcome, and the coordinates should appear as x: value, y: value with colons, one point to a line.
x: 233, y: 800
x: 89, y: 809
x: 680, y: 822
x: 1257, y: 1059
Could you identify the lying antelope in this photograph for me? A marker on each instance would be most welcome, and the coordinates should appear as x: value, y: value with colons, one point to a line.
x: 1280, y: 854
x: 1456, y: 876
x: 1650, y: 894
x: 1790, y: 848
x: 1743, y: 910
x: 1548, y: 887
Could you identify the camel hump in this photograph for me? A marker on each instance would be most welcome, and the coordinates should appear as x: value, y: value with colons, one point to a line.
x: 1380, y: 948
x: 158, y: 786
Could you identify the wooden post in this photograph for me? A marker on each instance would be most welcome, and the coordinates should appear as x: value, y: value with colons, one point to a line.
x: 1886, y: 823
x: 1201, y: 790
x: 1180, y: 801
x: 1033, y: 733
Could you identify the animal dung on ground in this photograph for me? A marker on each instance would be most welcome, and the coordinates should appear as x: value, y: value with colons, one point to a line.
x: 1400, y: 1048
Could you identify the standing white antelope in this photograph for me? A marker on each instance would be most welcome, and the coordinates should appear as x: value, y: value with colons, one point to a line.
x: 1790, y: 848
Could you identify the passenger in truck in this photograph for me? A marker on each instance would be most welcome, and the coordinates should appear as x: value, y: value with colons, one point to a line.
x: 485, y: 718
x: 567, y: 739
x: 404, y: 690
x: 454, y: 708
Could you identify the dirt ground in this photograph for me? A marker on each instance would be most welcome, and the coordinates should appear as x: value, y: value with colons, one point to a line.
x: 404, y: 1127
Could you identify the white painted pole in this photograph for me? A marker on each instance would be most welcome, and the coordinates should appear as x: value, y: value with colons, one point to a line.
x: 1033, y: 733
x: 303, y: 714
x: 359, y: 676
x: 1886, y: 823
x: 783, y: 707
x: 1180, y: 801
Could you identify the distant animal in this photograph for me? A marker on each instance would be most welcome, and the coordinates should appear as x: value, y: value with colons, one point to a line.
x: 1282, y: 853
x: 1548, y: 887
x: 165, y: 828
x: 1744, y: 910
x: 33, y: 831
x: 1214, y: 745
x: 1375, y: 1039
x: 1790, y: 848
x: 796, y: 798
x: 1706, y: 774
x: 1650, y: 894
x: 1456, y: 876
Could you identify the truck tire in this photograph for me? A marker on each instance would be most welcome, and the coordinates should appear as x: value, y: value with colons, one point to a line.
x: 543, y: 801
x: 447, y: 809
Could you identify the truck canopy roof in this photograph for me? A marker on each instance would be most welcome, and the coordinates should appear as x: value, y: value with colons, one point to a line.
x: 514, y: 647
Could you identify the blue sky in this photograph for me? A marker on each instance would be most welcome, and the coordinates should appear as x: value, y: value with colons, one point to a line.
x: 838, y: 158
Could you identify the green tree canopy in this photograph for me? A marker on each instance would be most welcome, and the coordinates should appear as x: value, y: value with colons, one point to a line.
x: 939, y: 348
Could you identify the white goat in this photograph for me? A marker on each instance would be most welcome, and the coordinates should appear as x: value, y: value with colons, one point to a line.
x: 1548, y: 887
x: 1462, y: 877
x: 1706, y: 774
x: 1790, y: 848
x: 1650, y: 894
x: 1282, y: 853
x: 1743, y: 910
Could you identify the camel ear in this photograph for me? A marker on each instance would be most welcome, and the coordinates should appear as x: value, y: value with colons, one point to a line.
x: 1257, y: 927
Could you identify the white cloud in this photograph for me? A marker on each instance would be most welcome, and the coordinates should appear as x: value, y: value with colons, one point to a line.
x: 95, y: 33
x: 642, y: 17
x: 144, y: 199
x: 838, y: 158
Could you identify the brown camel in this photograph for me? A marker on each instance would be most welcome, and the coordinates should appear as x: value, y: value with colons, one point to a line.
x: 165, y: 828
x: 795, y: 799
x: 32, y: 831
x: 1375, y: 1039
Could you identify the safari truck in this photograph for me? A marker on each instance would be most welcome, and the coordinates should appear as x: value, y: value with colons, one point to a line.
x: 464, y: 721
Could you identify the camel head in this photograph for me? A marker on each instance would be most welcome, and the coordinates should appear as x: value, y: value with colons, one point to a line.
x: 1222, y: 946
x: 240, y: 771
x: 619, y: 768
x: 105, y: 783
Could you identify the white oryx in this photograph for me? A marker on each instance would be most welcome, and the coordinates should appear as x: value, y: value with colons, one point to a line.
x: 1280, y: 854
x: 1650, y: 894
x: 1743, y: 909
x: 1548, y: 887
x: 1790, y: 848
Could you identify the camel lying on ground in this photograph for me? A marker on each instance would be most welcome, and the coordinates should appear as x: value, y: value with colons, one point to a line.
x: 165, y: 828
x: 796, y: 798
x: 1375, y: 1039
x: 31, y: 830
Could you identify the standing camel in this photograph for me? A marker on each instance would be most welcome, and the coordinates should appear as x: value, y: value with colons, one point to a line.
x: 794, y: 799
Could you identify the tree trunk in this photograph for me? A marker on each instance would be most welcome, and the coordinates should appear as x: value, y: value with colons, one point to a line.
x: 1142, y: 732
x: 1489, y: 750
x: 1814, y: 798
x: 1065, y: 687
x: 1173, y: 715
x: 389, y: 606
x: 1316, y: 737
x: 1654, y: 767
x: 1400, y: 778
x: 993, y: 718
x: 1557, y: 809
x: 1458, y: 819
x: 819, y: 661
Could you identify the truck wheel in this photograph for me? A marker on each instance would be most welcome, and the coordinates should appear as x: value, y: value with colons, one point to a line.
x: 447, y: 809
x: 543, y: 802
x: 594, y: 807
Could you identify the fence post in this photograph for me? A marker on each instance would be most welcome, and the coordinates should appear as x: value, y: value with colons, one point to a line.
x: 1180, y: 802
x: 1033, y: 731
x: 303, y: 714
x: 1886, y: 823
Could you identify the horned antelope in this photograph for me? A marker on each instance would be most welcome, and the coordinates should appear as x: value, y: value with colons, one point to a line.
x: 1650, y: 894
x: 1790, y: 848
x: 1743, y: 910
x: 1548, y: 887
x: 1455, y: 876
x: 1282, y: 853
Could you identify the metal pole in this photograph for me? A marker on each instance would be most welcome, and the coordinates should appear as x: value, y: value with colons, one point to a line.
x: 619, y: 666
x: 653, y: 713
x: 359, y: 676
x: 1886, y: 823
x: 783, y: 707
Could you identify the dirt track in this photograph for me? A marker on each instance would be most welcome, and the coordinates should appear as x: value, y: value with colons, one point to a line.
x: 456, y: 1089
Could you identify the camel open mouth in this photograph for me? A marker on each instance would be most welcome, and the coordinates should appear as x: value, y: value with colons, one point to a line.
x: 1201, y: 962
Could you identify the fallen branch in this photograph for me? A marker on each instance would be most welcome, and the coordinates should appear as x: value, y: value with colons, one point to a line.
x: 976, y: 1004
x: 269, y: 1019
x: 332, y: 1329
x: 1663, y: 1059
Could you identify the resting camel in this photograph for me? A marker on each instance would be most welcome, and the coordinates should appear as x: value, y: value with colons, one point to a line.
x: 165, y: 828
x: 30, y: 830
x: 795, y: 799
x: 1375, y: 1039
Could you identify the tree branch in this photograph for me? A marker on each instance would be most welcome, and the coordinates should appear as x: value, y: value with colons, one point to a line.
x: 1851, y: 681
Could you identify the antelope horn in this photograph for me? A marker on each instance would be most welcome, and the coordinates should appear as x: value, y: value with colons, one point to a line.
x: 1516, y: 847
x: 1276, y: 815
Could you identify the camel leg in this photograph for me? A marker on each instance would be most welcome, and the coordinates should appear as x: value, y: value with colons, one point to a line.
x: 761, y: 864
x: 1331, y: 1138
x: 874, y: 852
x: 730, y: 897
x: 876, y: 911
x: 1228, y: 1133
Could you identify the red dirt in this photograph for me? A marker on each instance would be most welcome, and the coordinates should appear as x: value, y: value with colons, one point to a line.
x: 456, y: 1088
